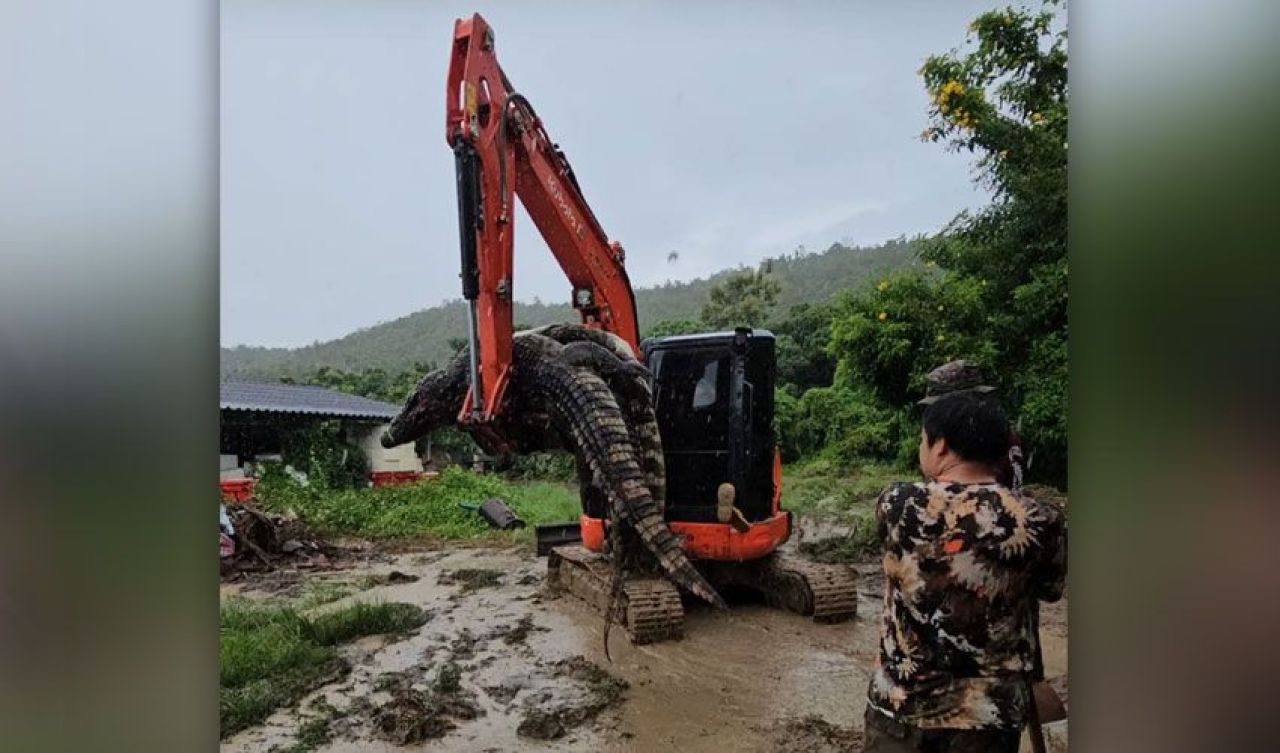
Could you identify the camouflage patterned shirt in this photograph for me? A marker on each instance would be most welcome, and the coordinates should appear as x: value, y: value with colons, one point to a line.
x: 962, y: 563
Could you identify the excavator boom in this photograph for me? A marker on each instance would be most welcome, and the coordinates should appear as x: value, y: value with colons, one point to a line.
x: 707, y: 399
x: 501, y: 150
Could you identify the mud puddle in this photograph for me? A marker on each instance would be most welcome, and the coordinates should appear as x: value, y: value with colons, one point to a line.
x: 507, y: 667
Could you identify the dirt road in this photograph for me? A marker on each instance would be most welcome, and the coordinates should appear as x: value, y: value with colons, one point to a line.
x: 751, y: 680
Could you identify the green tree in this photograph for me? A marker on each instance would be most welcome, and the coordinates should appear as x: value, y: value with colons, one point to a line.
x: 839, y: 423
x: 667, y: 327
x: 1007, y: 101
x: 741, y: 300
x: 374, y: 383
x: 886, y: 341
x: 1001, y: 297
x: 802, y: 335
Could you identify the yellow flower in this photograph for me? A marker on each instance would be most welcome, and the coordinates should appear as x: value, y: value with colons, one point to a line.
x: 940, y: 338
x: 1004, y: 153
x: 884, y: 285
x: 932, y: 264
x: 944, y: 94
x: 883, y: 315
x: 1037, y: 118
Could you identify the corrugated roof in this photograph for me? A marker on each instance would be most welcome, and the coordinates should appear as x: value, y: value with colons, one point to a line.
x: 273, y: 397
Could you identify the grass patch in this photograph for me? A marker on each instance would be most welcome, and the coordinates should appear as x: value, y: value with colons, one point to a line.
x: 823, y: 491
x: 319, y: 592
x: 426, y: 508
x: 312, y: 734
x: 271, y: 656
x: 365, y: 619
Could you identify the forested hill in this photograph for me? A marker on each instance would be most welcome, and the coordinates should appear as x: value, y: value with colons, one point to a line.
x: 423, y: 337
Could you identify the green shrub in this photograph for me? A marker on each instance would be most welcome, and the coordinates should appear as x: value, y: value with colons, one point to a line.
x: 322, y: 452
x: 544, y: 466
x: 837, y: 423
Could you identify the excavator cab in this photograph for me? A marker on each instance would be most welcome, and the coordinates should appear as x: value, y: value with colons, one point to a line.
x: 713, y: 395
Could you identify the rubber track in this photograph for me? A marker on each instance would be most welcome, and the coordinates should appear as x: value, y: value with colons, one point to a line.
x: 652, y: 610
x: 832, y: 590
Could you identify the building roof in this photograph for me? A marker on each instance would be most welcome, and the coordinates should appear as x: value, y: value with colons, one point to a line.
x: 274, y: 397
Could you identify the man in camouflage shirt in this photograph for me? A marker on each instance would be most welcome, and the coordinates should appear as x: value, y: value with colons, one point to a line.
x: 954, y: 377
x: 965, y: 558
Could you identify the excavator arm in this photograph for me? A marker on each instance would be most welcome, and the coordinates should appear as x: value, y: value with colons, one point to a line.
x: 501, y: 151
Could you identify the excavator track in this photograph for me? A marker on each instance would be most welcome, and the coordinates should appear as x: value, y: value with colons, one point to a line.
x: 651, y: 607
x: 827, y: 593
x: 832, y: 590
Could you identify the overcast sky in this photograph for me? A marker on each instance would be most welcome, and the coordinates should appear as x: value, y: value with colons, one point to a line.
x: 726, y: 132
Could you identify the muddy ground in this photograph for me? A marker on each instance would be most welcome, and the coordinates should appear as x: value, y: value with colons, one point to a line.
x: 501, y: 665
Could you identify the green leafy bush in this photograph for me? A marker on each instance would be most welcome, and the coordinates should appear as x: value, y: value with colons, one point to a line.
x: 742, y: 300
x: 322, y: 452
x: 837, y: 423
x: 802, y: 335
x: 544, y: 466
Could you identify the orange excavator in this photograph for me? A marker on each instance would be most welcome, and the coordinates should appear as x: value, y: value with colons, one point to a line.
x: 713, y: 392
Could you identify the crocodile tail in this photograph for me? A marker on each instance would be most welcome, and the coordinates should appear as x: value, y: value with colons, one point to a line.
x: 591, y: 416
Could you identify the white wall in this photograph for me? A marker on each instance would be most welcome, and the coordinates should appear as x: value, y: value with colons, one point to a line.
x: 368, y: 438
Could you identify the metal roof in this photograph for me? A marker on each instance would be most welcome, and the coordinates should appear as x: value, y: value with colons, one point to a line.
x: 274, y: 397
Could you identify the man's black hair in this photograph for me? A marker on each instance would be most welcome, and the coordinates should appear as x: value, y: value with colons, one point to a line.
x: 975, y: 427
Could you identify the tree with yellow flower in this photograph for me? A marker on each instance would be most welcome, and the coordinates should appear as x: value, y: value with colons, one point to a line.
x: 995, y: 280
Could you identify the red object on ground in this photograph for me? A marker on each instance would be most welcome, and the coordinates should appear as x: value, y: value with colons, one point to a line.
x: 394, y: 478
x: 237, y: 489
